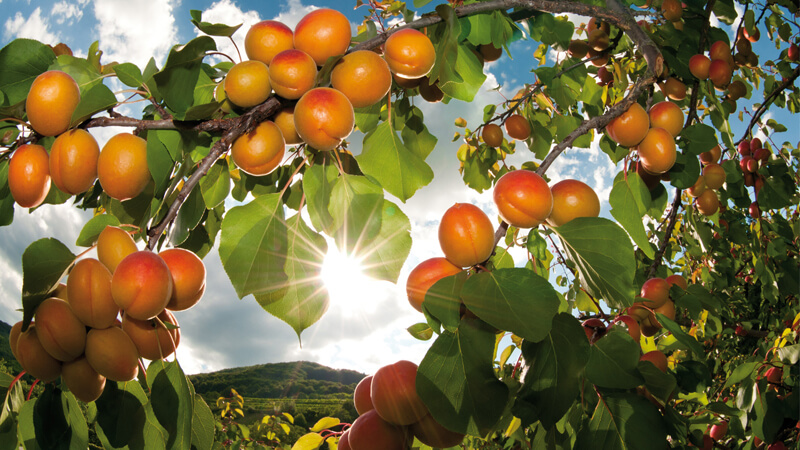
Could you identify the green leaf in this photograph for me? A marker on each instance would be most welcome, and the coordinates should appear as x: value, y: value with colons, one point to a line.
x: 367, y: 118
x: 443, y: 300
x: 93, y: 228
x: 630, y: 200
x: 172, y: 402
x: 444, y: 68
x: 554, y: 372
x: 741, y: 372
x: 789, y: 354
x: 216, y: 185
x: 356, y: 205
x: 684, y: 173
x: 21, y: 61
x: 603, y: 256
x: 6, y: 199
x: 160, y: 162
x: 682, y: 336
x: 415, y: 134
x: 98, y: 98
x: 613, y: 361
x: 623, y: 421
x: 212, y: 29
x: 699, y: 138
x: 125, y: 418
x: 253, y: 246
x: 189, y: 217
x: 658, y: 383
x: 44, y: 264
x: 385, y: 157
x: 129, y: 74
x: 383, y: 257
x: 53, y: 421
x: 515, y: 300
x: 767, y: 417
x: 318, y: 181
x: 456, y: 380
x: 470, y: 70
x: 202, y: 425
x: 420, y: 331
x: 303, y: 298
x: 177, y: 80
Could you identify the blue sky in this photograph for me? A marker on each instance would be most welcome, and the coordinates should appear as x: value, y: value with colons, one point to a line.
x: 365, y: 325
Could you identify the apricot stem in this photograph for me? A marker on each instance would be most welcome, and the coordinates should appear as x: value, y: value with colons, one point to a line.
x: 14, y: 381
x: 30, y: 392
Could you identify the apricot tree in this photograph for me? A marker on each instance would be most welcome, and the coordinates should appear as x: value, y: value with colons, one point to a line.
x: 699, y: 271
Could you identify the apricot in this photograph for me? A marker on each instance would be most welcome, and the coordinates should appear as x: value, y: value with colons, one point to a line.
x: 73, y: 161
x: 720, y: 50
x: 650, y: 180
x: 142, y: 285
x: 344, y: 441
x: 594, y: 329
x: 247, y: 84
x: 720, y: 73
x: 523, y: 198
x: 409, y: 53
x: 571, y: 199
x: 188, y: 278
x: 394, y: 394
x: 599, y: 59
x: 489, y: 52
x: 61, y: 333
x: 657, y: 151
x: 432, y: 433
x: 737, y: 90
x: 699, y: 65
x: 152, y: 340
x: 13, y: 337
x: 718, y: 431
x: 322, y: 33
x: 29, y: 175
x: 492, y: 135
x: 362, y: 398
x: 672, y: 10
x: 655, y: 292
x: 370, y: 432
x: 714, y: 176
x: 630, y: 127
x: 122, y: 166
x: 89, y: 293
x: 407, y: 83
x: 698, y: 187
x: 82, y: 380
x: 578, y: 48
x: 674, y: 89
x: 667, y: 115
x: 658, y: 358
x: 425, y: 275
x: 677, y: 280
x: 284, y: 119
x: 631, y: 324
x: 363, y: 77
x: 667, y: 309
x: 60, y: 292
x: 711, y: 156
x: 113, y: 245
x: 518, y: 127
x: 323, y: 117
x: 219, y: 95
x: 266, y: 39
x: 466, y: 235
x: 112, y: 353
x: 793, y: 53
x: 260, y: 151
x: 707, y: 203
x: 598, y: 40
x: 34, y: 359
x: 430, y: 92
x: 597, y: 24
x: 292, y: 73
x: 51, y: 101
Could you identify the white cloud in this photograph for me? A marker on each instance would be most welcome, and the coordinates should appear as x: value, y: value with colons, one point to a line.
x: 67, y: 12
x: 293, y: 12
x: 135, y: 31
x: 34, y: 27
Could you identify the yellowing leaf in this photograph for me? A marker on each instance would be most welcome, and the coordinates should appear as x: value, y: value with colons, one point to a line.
x: 325, y: 423
x: 309, y: 441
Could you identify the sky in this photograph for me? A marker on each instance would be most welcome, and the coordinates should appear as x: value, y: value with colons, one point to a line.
x: 365, y: 326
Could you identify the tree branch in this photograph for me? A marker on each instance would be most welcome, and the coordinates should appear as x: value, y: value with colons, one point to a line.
x: 769, y: 99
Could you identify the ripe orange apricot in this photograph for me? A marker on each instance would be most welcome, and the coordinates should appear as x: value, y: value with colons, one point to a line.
x: 466, y: 235
x: 672, y: 10
x: 698, y: 187
x: 655, y: 292
x: 153, y: 341
x: 678, y: 280
x: 29, y: 175
x: 523, y: 198
x: 292, y: 73
x: 362, y: 398
x: 719, y: 50
x: 430, y: 92
x: 629, y: 128
x: 674, y: 88
x: 266, y: 39
x: 370, y: 432
x: 89, y: 293
x: 34, y: 359
x: 720, y: 73
x: 323, y: 117
x: 188, y: 278
x: 122, y: 166
x: 425, y: 275
x: 711, y: 156
x: 363, y: 77
x: 518, y: 127
x: 707, y: 203
x: 714, y: 176
x: 284, y: 119
x: 113, y: 245
x: 571, y: 199
x: 112, y: 353
x: 492, y: 134
x: 699, y: 65
x: 657, y: 357
x: 631, y: 324
x: 657, y: 151
x: 394, y: 394
x: 432, y: 433
x: 73, y: 161
x: 61, y: 333
x: 82, y: 380
x: 322, y: 33
x: 142, y: 285
x: 667, y: 115
x: 52, y: 99
x: 260, y: 151
x: 409, y: 53
x: 247, y: 84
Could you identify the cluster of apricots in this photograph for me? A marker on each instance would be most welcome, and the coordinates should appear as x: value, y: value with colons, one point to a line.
x: 523, y: 200
x: 652, y: 134
x: 753, y: 155
x: 391, y: 413
x: 77, y: 334
x: 75, y: 160
x: 595, y: 45
x: 517, y: 127
x: 286, y: 62
x: 719, y: 65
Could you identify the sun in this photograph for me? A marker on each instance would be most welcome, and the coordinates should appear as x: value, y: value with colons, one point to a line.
x: 348, y: 287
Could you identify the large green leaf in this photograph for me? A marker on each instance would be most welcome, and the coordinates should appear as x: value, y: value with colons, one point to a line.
x: 682, y: 336
x: 6, y: 199
x: 172, y: 402
x: 189, y: 217
x: 630, y: 200
x: 515, y: 300
x: 216, y: 185
x: 662, y: 385
x: 303, y: 298
x: 98, y: 98
x: 356, y: 206
x: 443, y: 300
x: 552, y: 380
x: 767, y: 416
x: 44, y: 264
x: 383, y: 257
x: 470, y: 69
x: 202, y: 425
x: 603, y: 257
x: 93, y: 228
x: 21, y: 61
x: 456, y: 379
x: 613, y: 361
x: 160, y: 162
x: 318, y: 183
x: 125, y: 418
x: 624, y: 421
x: 53, y: 421
x: 253, y: 246
x: 177, y: 80
x: 385, y: 157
